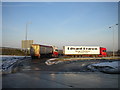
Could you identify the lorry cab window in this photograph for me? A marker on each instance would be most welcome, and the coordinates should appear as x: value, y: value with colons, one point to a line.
x: 56, y: 49
x: 104, y: 50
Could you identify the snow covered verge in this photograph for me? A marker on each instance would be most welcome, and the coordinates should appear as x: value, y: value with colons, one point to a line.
x: 57, y: 61
x: 8, y: 62
x: 106, y: 67
x: 111, y: 67
x: 63, y: 60
x: 52, y: 61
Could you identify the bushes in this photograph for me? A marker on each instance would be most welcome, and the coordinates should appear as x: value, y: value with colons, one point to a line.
x: 12, y: 51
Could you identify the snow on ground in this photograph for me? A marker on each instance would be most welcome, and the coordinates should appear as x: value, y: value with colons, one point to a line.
x: 52, y: 61
x: 7, y: 61
x: 107, y: 67
x: 109, y: 64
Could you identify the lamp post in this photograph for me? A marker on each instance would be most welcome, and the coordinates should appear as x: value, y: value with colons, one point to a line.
x: 113, y: 38
x: 26, y: 38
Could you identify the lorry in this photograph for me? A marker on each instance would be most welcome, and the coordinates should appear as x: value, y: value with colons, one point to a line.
x: 37, y: 51
x: 84, y: 51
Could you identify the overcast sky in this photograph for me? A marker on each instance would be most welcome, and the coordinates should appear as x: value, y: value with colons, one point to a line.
x: 60, y: 23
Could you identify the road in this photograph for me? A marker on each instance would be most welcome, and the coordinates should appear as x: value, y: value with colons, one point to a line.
x: 36, y: 74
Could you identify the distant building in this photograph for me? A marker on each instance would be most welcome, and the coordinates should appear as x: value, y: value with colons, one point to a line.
x: 26, y: 44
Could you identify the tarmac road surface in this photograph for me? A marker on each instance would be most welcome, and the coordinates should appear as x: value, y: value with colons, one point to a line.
x: 37, y: 79
x: 36, y: 74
